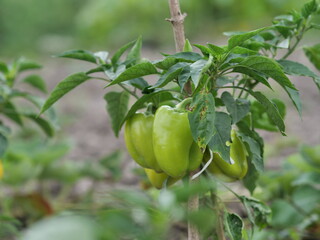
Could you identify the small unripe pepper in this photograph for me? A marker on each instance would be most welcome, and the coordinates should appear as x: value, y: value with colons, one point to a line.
x: 238, y: 157
x: 157, y: 179
x: 175, y: 150
x: 138, y: 138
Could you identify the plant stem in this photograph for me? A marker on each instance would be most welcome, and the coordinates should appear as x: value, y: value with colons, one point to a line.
x: 177, y: 19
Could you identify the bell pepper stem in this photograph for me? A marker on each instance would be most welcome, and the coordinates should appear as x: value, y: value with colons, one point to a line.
x: 183, y: 105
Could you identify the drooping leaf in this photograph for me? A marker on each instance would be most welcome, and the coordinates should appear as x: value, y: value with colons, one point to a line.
x: 136, y: 71
x: 259, y: 213
x: 269, y: 67
x: 251, y: 178
x: 172, y: 73
x: 64, y: 87
x: 166, y: 63
x: 201, y: 118
x: 258, y: 76
x: 255, y: 151
x: 41, y: 122
x: 184, y: 76
x: 221, y: 136
x: 3, y: 67
x: 295, y: 97
x: 313, y: 53
x: 25, y: 64
x: 298, y: 69
x: 238, y: 39
x: 198, y: 68
x: 234, y: 226
x: 36, y: 81
x: 80, y: 55
x: 139, y: 83
x: 11, y: 112
x: 271, y: 110
x: 237, y: 108
x: 117, y: 106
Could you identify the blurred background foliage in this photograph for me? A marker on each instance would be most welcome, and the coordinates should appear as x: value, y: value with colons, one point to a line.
x: 34, y: 27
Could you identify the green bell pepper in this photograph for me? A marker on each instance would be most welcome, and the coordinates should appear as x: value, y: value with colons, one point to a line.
x: 138, y: 139
x: 238, y: 157
x: 175, y: 150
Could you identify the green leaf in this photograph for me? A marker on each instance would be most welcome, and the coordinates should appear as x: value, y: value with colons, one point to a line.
x: 269, y: 67
x: 251, y: 178
x: 134, y: 53
x: 284, y: 215
x: 309, y: 8
x: 64, y: 87
x: 3, y: 67
x: 201, y: 118
x: 171, y: 74
x: 166, y: 63
x: 11, y: 112
x: 136, y: 71
x: 115, y: 58
x: 295, y: 97
x: 298, y: 69
x: 271, y: 110
x: 80, y: 55
x: 41, y: 122
x: 313, y: 53
x: 187, y: 56
x: 204, y: 49
x: 237, y: 108
x: 117, y: 106
x: 215, y: 50
x: 258, y: 76
x: 221, y: 136
x: 258, y: 212
x: 255, y: 151
x: 24, y: 64
x: 233, y: 225
x: 3, y: 144
x: 198, y: 68
x: 37, y: 82
x: 238, y: 39
x: 306, y: 198
x: 184, y: 77
x: 187, y: 46
x: 308, y: 178
x: 243, y: 50
x: 139, y: 83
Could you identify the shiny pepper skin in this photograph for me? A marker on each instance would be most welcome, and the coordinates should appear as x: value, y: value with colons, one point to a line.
x: 238, y: 157
x: 174, y: 148
x: 138, y: 138
x: 157, y: 179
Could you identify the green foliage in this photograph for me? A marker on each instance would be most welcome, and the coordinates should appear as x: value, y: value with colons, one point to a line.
x: 293, y: 194
x: 16, y: 111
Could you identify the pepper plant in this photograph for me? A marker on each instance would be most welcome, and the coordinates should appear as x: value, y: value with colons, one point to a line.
x: 200, y: 107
